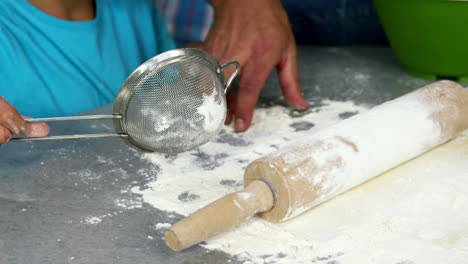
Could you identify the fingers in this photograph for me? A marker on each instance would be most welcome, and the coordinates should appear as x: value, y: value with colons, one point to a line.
x: 36, y: 130
x: 250, y: 85
x: 5, y: 135
x: 289, y: 79
x: 10, y: 118
x: 231, y: 103
x: 11, y: 122
x: 257, y: 34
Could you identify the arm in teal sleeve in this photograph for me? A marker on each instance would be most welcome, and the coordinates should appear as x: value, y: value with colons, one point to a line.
x: 6, y: 64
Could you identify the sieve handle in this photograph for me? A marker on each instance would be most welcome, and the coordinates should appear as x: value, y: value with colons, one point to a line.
x: 86, y: 136
x: 71, y: 118
x: 233, y: 75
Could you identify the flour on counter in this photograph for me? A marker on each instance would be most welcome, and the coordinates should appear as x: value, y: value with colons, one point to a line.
x: 408, y: 215
x: 92, y: 220
x: 129, y: 204
x: 159, y: 226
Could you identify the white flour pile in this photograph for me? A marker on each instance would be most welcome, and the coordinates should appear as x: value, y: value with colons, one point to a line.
x: 413, y: 214
x: 213, y: 111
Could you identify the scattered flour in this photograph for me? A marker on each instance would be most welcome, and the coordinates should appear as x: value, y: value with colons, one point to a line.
x: 362, y: 77
x: 129, y: 204
x: 92, y: 220
x: 159, y: 226
x: 95, y: 220
x: 411, y: 214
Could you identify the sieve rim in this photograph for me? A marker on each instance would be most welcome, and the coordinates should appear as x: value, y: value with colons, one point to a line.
x: 122, y: 100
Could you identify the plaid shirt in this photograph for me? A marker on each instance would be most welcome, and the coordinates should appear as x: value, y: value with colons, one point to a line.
x: 188, y: 21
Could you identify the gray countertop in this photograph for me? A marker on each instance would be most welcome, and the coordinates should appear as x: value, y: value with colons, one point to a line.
x: 46, y: 207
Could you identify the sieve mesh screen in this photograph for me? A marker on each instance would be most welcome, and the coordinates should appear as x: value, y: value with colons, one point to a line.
x: 176, y: 106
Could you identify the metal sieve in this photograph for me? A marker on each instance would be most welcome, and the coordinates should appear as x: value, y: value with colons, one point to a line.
x: 172, y: 103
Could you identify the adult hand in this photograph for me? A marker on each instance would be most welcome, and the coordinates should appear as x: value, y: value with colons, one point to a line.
x: 11, y: 122
x: 257, y: 34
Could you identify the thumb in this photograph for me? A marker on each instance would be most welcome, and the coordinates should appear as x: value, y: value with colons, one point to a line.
x: 36, y: 129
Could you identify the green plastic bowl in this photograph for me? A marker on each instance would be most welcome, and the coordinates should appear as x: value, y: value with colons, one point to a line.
x: 429, y: 37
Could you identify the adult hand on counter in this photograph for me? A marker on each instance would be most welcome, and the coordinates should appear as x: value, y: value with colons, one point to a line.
x: 11, y: 123
x: 258, y: 35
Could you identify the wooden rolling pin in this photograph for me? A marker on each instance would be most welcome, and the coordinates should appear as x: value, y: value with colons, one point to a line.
x: 287, y: 182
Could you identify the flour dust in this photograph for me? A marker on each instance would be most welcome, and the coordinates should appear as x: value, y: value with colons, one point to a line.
x: 411, y: 214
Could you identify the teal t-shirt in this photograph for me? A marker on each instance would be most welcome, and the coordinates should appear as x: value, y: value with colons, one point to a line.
x: 55, y: 67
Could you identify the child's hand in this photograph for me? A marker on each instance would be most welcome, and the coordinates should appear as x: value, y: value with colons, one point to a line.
x: 11, y: 123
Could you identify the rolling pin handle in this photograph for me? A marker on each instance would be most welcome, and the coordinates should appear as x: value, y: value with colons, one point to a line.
x: 221, y: 215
